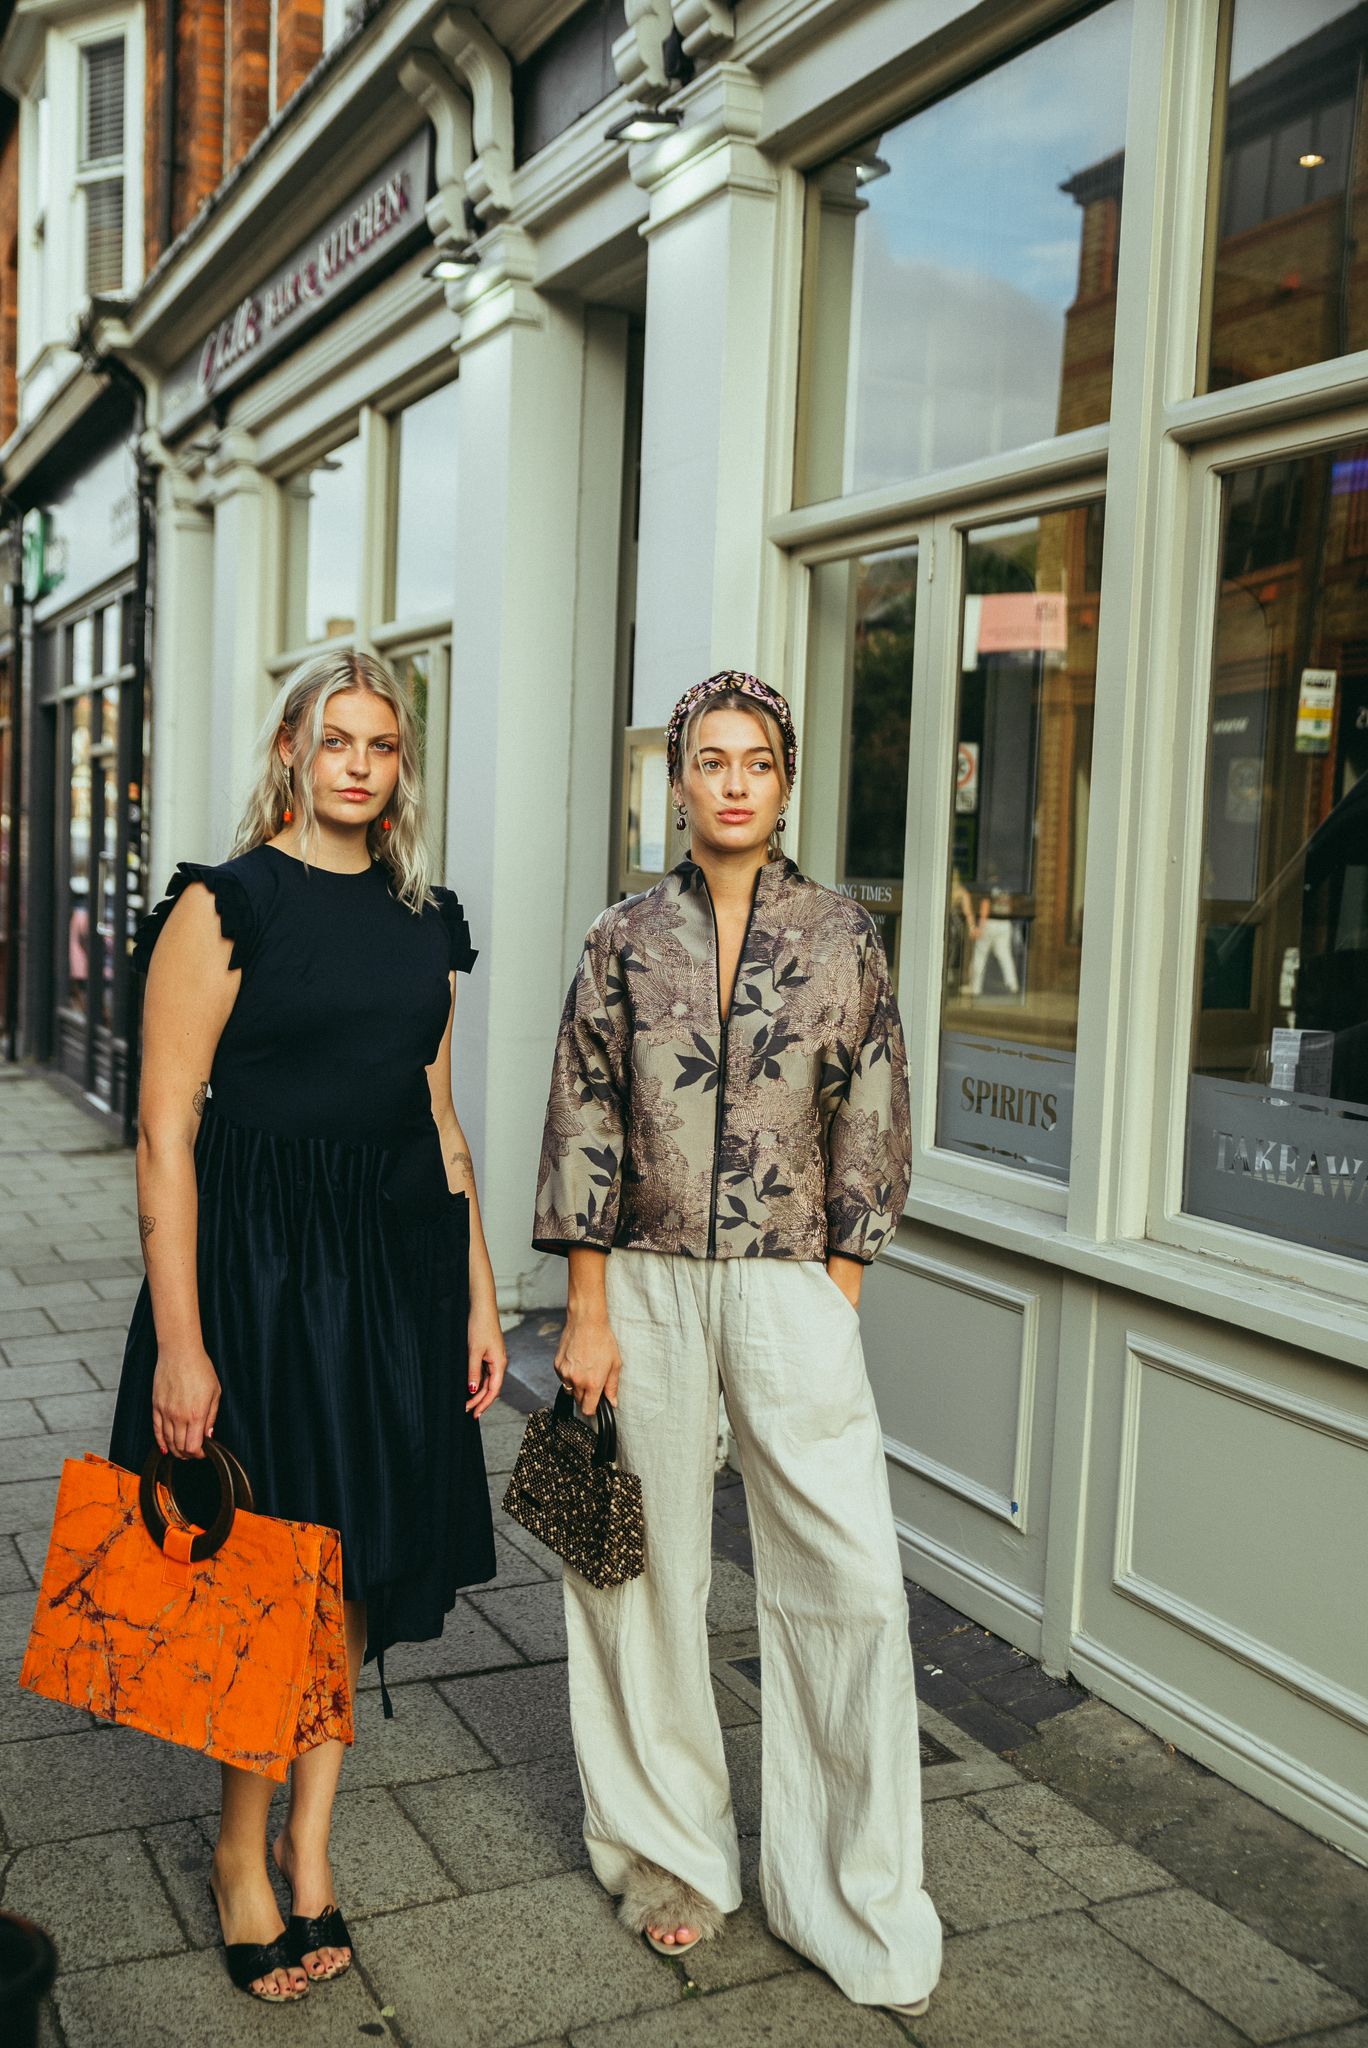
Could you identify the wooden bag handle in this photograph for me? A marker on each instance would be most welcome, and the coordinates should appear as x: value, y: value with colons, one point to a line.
x: 235, y: 1492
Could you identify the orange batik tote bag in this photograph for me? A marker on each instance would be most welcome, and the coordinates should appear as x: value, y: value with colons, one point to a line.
x: 228, y: 1639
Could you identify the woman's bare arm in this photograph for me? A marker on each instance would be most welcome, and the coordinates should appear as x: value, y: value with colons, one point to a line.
x: 190, y: 992
x: 488, y: 1357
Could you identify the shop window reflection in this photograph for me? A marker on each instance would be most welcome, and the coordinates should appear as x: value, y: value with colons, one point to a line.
x: 856, y: 729
x: 1278, y: 1111
x: 1287, y: 285
x: 1014, y: 915
x: 76, y: 955
x: 961, y: 278
x: 324, y: 507
x: 423, y: 568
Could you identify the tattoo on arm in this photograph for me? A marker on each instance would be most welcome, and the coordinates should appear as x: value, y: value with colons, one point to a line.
x: 201, y: 1094
x: 464, y: 1168
x: 146, y: 1226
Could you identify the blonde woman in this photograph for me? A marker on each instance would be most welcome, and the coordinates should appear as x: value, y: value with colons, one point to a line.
x: 318, y: 1291
x: 726, y: 1150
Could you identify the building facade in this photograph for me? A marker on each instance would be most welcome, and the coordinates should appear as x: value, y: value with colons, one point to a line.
x: 993, y: 378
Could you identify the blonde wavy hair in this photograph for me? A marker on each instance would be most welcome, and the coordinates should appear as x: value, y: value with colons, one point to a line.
x: 737, y: 700
x: 299, y: 711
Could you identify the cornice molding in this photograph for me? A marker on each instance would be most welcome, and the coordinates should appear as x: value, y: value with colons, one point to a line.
x: 714, y: 151
x: 499, y: 292
x: 705, y: 26
x: 426, y: 79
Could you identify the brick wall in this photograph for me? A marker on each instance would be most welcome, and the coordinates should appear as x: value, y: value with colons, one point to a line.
x: 249, y: 75
x: 198, y: 165
x: 299, y: 44
x: 9, y: 281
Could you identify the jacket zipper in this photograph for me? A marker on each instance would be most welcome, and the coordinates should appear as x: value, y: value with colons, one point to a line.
x: 724, y: 1029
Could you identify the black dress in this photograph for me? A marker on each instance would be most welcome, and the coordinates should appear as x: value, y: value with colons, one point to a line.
x: 333, y: 1280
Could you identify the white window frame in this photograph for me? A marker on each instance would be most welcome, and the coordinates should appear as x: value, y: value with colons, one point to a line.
x: 105, y: 170
x: 1169, y: 1221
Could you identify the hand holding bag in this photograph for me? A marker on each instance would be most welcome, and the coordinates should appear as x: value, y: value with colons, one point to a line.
x: 228, y: 1640
x: 567, y: 1491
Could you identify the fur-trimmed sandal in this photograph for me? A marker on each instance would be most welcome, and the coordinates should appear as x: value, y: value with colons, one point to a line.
x: 653, y: 1898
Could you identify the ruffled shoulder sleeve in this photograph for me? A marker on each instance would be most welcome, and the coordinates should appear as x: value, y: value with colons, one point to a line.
x: 237, y: 919
x: 463, y: 954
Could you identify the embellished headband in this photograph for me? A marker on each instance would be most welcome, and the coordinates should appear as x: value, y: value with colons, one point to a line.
x: 732, y: 682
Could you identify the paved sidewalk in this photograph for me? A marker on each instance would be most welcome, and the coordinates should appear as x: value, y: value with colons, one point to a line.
x: 1098, y: 1891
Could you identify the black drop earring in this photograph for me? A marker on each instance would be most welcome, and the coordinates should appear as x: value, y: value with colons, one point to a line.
x: 781, y: 821
x: 681, y: 819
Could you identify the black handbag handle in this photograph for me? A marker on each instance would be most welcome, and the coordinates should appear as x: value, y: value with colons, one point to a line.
x: 235, y: 1491
x: 605, y: 1448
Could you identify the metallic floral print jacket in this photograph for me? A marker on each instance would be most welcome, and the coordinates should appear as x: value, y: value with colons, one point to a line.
x: 782, y: 1134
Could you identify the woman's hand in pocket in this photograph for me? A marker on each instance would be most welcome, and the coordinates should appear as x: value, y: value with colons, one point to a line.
x: 848, y: 1275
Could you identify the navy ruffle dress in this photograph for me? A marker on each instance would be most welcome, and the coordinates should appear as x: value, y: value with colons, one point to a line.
x: 333, y: 1276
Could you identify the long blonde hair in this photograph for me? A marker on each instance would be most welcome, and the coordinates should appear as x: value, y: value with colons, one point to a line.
x: 298, y: 711
x: 737, y: 700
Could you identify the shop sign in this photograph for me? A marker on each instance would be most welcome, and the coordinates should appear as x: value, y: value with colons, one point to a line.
x: 374, y: 221
x: 1291, y: 1165
x: 89, y: 532
x: 1023, y: 622
x: 1316, y: 710
x: 1010, y: 1103
x: 966, y: 776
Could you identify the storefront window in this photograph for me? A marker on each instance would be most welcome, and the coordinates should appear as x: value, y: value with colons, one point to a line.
x: 424, y: 564
x: 324, y: 511
x: 424, y: 672
x: 855, y: 742
x: 1014, y: 910
x: 961, y: 283
x: 1285, y: 289
x: 1278, y: 1105
x: 105, y: 905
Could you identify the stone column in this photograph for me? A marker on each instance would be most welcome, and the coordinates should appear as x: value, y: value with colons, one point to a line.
x: 245, y: 584
x: 180, y: 773
x: 513, y: 727
x: 709, y: 312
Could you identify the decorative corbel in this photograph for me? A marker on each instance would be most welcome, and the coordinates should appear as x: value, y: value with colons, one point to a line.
x: 639, y: 54
x: 426, y: 79
x: 483, y: 66
x: 704, y: 26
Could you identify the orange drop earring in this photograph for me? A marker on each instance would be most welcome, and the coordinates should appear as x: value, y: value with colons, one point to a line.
x: 384, y: 824
x: 289, y: 816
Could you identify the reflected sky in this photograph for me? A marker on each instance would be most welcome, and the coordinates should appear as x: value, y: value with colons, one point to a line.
x: 425, y: 561
x: 1263, y: 29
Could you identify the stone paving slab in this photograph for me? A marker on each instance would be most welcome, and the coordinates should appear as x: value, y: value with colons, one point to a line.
x: 187, y: 2001
x: 20, y: 1418
x: 1060, y: 1982
x: 980, y: 1879
x: 747, y: 1953
x: 36, y: 1382
x: 424, y: 1740
x: 801, y: 2012
x: 518, y: 1716
x: 467, y: 1643
x: 1067, y: 1842
x: 1265, y: 1993
x: 59, y: 1787
x: 98, y: 1898
x: 517, y: 1965
x: 533, y: 1617
x: 496, y: 1828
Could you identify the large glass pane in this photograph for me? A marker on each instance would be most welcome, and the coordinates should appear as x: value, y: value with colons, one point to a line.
x: 1014, y: 912
x: 1286, y: 285
x: 1277, y: 1135
x: 76, y: 958
x: 961, y: 280
x: 855, y: 738
x: 424, y: 570
x: 105, y: 905
x: 324, y: 510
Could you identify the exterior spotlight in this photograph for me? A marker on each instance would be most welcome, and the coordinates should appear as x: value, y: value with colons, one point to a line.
x: 643, y: 124
x: 868, y: 168
x: 1311, y: 161
x: 451, y: 264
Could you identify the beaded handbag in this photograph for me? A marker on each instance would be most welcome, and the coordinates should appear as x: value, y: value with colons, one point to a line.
x: 567, y: 1491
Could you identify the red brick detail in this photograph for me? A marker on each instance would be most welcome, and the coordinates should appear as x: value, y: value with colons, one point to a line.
x: 299, y: 44
x: 198, y: 154
x: 9, y: 283
x: 249, y: 75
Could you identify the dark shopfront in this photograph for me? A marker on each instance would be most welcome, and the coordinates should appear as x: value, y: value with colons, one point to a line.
x: 82, y: 883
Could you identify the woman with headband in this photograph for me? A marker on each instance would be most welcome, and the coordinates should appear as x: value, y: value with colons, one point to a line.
x: 726, y: 1149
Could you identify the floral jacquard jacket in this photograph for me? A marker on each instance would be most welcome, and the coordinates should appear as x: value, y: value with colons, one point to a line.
x: 782, y: 1134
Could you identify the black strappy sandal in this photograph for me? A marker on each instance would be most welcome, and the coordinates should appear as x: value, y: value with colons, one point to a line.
x: 248, y: 1960
x: 302, y: 1937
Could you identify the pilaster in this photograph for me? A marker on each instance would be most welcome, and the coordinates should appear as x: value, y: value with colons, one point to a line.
x: 712, y: 234
x: 181, y: 778
x: 245, y: 592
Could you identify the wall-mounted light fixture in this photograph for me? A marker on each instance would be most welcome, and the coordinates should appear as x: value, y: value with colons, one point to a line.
x: 1312, y: 160
x: 868, y: 168
x: 644, y: 124
x: 452, y: 264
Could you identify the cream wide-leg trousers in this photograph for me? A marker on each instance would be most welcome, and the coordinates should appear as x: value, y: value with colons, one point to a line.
x: 841, y: 1849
